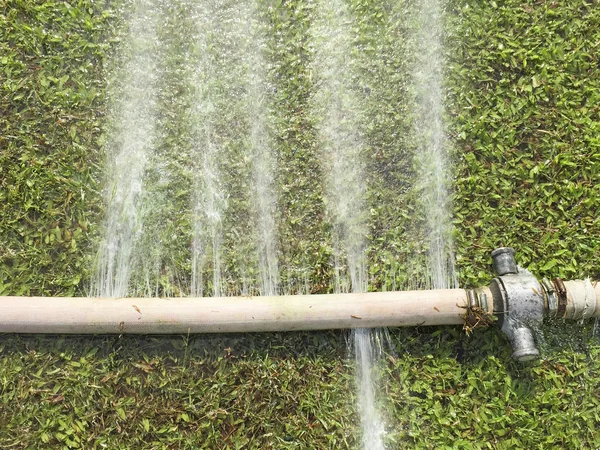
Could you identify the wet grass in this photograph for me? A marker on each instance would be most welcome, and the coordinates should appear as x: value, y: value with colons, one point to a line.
x: 259, y: 391
x: 291, y: 390
x: 523, y: 89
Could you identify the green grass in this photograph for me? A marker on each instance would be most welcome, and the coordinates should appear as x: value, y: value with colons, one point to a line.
x: 265, y: 391
x: 523, y: 80
x: 291, y: 390
x: 525, y: 87
x: 52, y: 103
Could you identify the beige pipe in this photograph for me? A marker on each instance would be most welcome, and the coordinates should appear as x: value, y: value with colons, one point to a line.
x: 87, y: 315
x: 582, y: 299
x: 596, y: 285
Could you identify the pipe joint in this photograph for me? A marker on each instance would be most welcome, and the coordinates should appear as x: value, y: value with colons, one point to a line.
x: 519, y: 303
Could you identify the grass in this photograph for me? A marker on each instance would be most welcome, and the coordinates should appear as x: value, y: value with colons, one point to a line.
x: 291, y: 390
x: 205, y: 392
x: 523, y: 89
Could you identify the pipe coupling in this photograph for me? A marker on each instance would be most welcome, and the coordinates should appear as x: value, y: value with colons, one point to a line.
x: 518, y: 304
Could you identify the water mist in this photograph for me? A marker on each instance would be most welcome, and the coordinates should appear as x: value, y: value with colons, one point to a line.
x: 340, y: 109
x: 128, y: 148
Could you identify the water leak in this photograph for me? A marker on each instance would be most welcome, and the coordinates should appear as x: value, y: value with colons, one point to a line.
x: 433, y: 162
x: 369, y: 346
x: 339, y: 106
x: 234, y: 201
x: 128, y: 148
x: 209, y: 196
x: 192, y: 189
x: 261, y: 153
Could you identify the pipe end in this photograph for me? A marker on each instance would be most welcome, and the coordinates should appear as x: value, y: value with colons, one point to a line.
x: 503, y: 261
x: 524, y: 345
x: 526, y: 355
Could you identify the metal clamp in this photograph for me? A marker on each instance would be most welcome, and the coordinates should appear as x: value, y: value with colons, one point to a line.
x: 550, y: 298
x: 561, y: 290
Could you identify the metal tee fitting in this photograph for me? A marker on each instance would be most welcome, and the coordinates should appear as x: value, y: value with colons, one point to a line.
x: 518, y: 303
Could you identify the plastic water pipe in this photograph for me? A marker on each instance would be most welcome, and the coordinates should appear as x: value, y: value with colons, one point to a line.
x: 515, y: 301
x: 230, y: 314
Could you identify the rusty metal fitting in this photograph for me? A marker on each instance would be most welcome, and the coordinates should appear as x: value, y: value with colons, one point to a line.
x: 550, y: 298
x: 561, y: 291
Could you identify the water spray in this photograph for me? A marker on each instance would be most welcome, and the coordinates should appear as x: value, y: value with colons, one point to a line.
x: 515, y: 302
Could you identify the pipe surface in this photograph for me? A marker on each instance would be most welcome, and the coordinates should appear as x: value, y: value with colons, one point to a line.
x: 87, y: 315
x: 596, y: 285
x: 581, y: 300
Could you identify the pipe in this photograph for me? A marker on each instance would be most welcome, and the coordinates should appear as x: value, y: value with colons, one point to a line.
x: 581, y: 300
x: 86, y: 315
x: 520, y: 303
x: 596, y: 285
x: 515, y: 297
